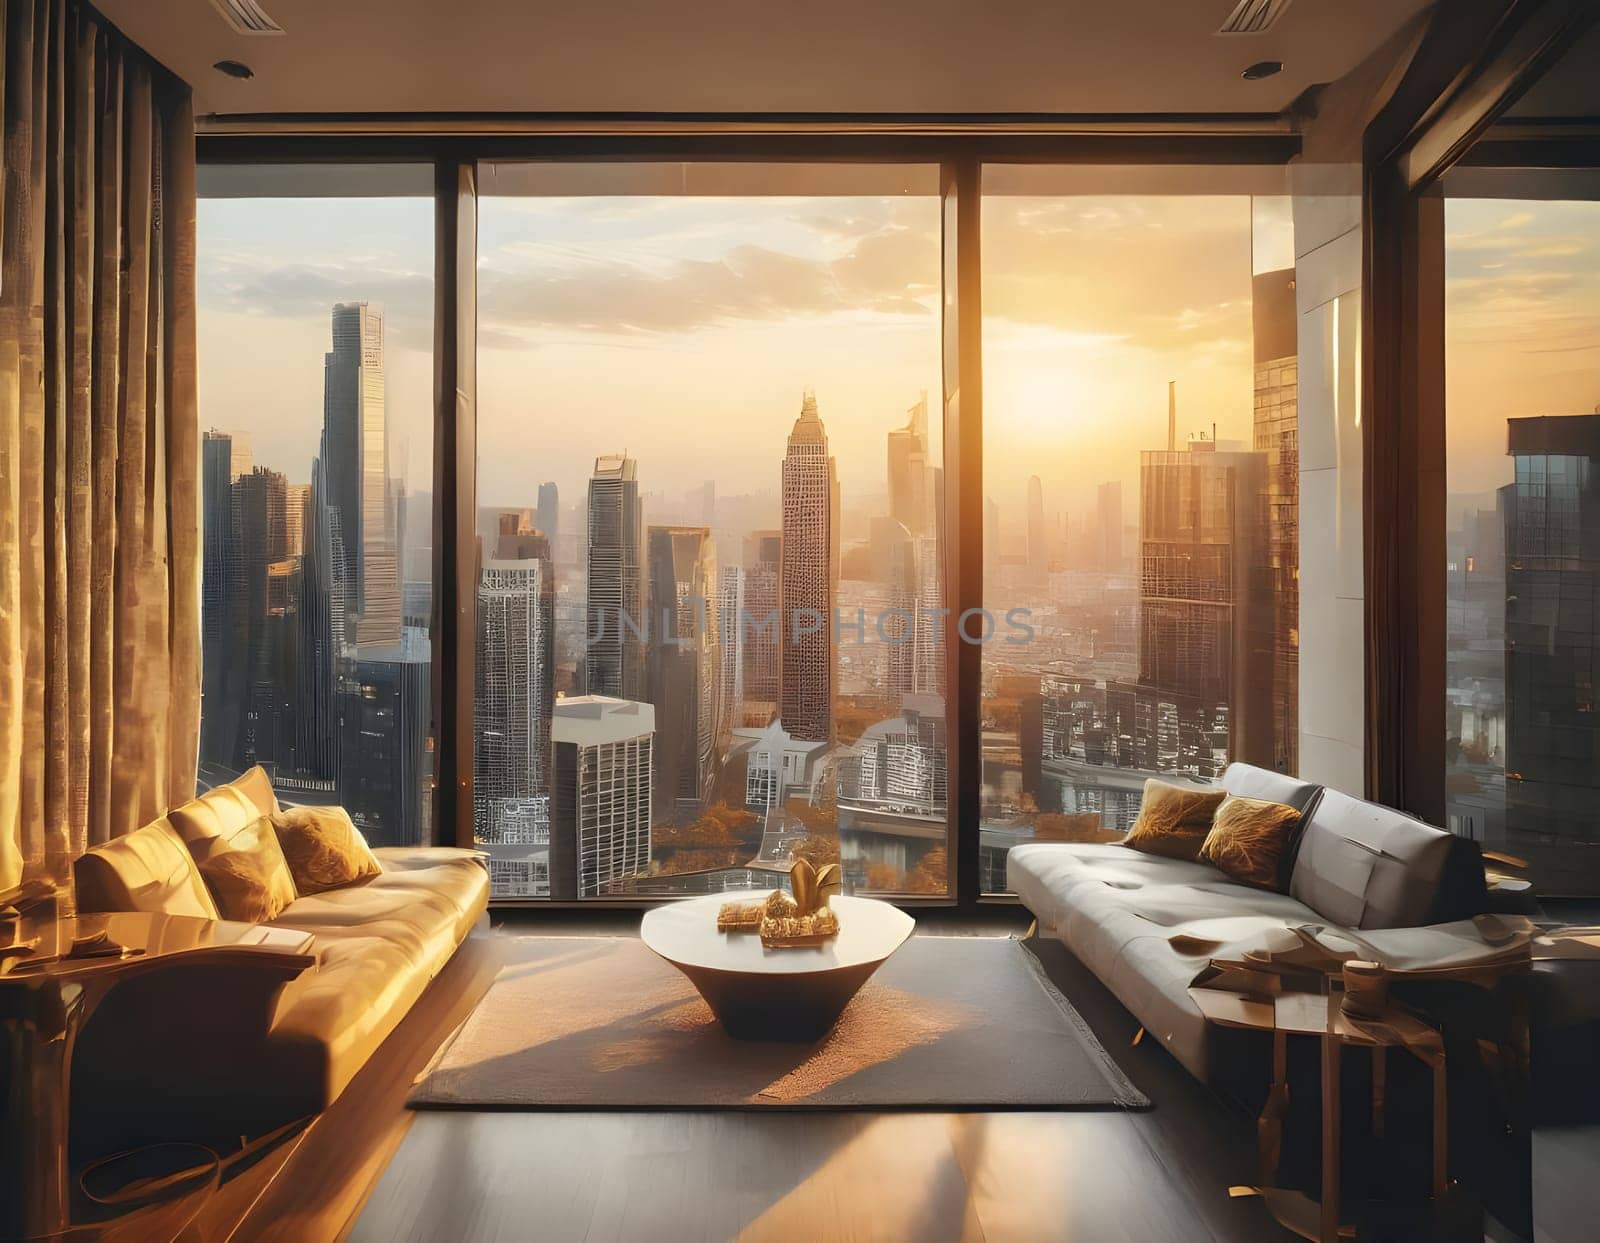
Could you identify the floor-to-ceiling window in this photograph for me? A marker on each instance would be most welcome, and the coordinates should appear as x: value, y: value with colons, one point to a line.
x: 709, y: 555
x: 1141, y: 477
x: 315, y: 294
x: 1522, y: 325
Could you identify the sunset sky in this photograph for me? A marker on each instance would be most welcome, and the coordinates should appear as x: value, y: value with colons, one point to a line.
x: 1522, y: 324
x: 683, y: 329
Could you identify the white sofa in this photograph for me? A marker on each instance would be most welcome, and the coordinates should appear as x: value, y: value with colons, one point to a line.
x: 1352, y: 865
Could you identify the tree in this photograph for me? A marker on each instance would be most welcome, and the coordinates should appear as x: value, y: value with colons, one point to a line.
x: 817, y: 849
x: 932, y: 873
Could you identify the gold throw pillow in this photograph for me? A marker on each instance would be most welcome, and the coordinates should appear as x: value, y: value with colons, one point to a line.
x: 323, y: 848
x: 250, y: 881
x: 1173, y: 820
x: 1248, y: 838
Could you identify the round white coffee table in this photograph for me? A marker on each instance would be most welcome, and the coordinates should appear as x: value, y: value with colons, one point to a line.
x: 775, y: 994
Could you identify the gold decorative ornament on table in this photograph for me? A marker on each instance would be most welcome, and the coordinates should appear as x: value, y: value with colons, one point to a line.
x: 785, y: 922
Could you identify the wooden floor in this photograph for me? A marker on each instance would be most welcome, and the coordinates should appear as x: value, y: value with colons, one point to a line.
x: 371, y: 1170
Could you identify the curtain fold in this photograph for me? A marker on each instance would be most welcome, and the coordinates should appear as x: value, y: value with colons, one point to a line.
x: 99, y: 505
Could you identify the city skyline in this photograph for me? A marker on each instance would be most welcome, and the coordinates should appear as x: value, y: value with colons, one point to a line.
x: 846, y: 514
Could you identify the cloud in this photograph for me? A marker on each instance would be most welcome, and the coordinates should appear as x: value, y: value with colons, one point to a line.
x: 1529, y: 281
x: 892, y: 271
x: 1161, y: 272
x: 243, y: 282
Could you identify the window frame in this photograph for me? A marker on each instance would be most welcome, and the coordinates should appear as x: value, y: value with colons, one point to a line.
x: 961, y: 149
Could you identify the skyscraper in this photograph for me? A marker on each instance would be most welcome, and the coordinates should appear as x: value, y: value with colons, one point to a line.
x: 296, y: 499
x: 908, y: 470
x: 763, y: 668
x: 1109, y: 521
x: 515, y: 679
x: 387, y: 779
x: 1275, y: 575
x: 894, y: 567
x: 600, y: 793
x: 1038, y: 532
x: 928, y: 648
x: 684, y: 666
x: 1199, y: 527
x: 221, y: 612
x: 356, y: 448
x: 258, y: 513
x: 322, y: 636
x: 1552, y: 638
x: 730, y: 645
x: 614, y: 657
x: 549, y: 513
x: 808, y: 578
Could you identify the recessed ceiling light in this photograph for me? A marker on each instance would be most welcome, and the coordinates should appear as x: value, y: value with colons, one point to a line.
x: 238, y: 69
x: 1262, y: 69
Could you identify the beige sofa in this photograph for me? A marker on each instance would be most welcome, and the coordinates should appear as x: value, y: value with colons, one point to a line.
x: 219, y: 1049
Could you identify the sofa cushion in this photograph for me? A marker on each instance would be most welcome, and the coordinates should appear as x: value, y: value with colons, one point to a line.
x: 1146, y: 926
x: 1173, y: 820
x: 323, y: 848
x: 147, y: 870
x: 207, y: 823
x: 378, y: 944
x: 1044, y: 875
x: 1248, y: 838
x: 1360, y: 865
x: 450, y: 893
x: 1248, y: 781
x: 249, y: 885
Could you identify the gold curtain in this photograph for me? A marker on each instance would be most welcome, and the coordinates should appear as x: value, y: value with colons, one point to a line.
x: 99, y: 517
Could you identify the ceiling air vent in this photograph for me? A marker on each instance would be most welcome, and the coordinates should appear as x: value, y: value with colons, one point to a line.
x: 246, y: 17
x: 1250, y: 17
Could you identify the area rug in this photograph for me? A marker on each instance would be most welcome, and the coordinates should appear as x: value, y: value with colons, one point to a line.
x: 948, y: 1023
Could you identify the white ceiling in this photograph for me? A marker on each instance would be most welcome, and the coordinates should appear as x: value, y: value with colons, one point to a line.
x: 834, y: 56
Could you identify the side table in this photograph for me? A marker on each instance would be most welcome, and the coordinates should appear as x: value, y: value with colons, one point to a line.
x: 53, y: 975
x: 1319, y: 1015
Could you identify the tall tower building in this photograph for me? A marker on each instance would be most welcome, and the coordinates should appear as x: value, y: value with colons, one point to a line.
x: 808, y: 578
x: 1199, y: 528
x: 515, y: 679
x: 614, y: 658
x: 1108, y: 514
x: 761, y: 625
x: 908, y: 471
x: 1552, y: 638
x: 221, y: 610
x: 386, y: 782
x: 928, y: 652
x: 1038, y: 532
x: 730, y: 647
x: 356, y: 448
x: 259, y: 501
x: 1275, y: 575
x: 684, y: 666
x: 549, y: 513
x: 599, y: 794
x: 322, y: 635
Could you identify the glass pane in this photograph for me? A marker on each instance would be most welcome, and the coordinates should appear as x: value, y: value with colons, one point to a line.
x: 316, y: 376
x: 1522, y: 318
x: 710, y: 566
x: 1141, y: 481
